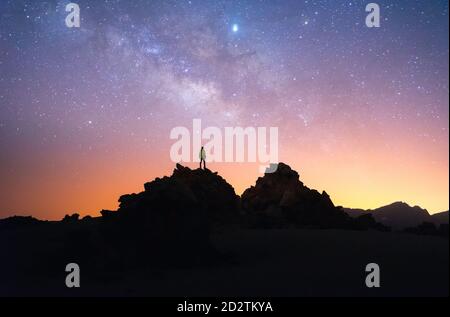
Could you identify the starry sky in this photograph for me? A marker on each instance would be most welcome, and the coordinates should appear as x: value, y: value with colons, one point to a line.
x: 86, y: 113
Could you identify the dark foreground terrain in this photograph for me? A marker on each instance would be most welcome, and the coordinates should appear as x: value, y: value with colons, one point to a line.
x: 189, y: 234
x: 274, y: 262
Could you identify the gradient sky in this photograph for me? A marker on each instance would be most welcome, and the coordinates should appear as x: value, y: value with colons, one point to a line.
x: 85, y: 114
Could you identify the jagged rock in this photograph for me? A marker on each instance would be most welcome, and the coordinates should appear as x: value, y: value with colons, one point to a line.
x: 200, y: 188
x: 281, y: 188
x: 71, y: 218
x: 282, y: 195
x: 18, y: 221
x: 281, y: 199
x: 108, y: 215
x: 87, y: 218
x: 172, y: 215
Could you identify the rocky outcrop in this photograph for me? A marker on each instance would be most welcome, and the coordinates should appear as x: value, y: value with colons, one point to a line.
x: 71, y: 218
x: 172, y: 217
x: 282, y: 199
x: 191, y: 193
x: 18, y: 221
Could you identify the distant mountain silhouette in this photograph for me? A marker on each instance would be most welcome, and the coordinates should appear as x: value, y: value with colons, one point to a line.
x: 400, y: 215
x: 440, y: 218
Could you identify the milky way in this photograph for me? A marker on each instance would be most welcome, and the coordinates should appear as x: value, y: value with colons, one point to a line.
x: 85, y: 113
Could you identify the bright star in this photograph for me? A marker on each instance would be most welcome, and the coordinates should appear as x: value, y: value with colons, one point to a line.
x: 235, y: 28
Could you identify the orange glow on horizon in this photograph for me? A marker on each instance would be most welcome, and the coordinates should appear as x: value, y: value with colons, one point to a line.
x: 365, y: 178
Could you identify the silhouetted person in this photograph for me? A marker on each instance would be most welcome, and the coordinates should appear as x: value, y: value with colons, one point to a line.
x: 202, y: 156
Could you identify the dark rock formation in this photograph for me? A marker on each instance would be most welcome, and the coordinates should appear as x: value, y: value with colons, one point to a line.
x: 172, y: 217
x: 281, y: 199
x: 71, y: 218
x: 18, y: 221
x: 192, y: 193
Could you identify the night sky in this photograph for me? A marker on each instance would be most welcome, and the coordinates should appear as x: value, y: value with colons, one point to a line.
x: 85, y: 113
